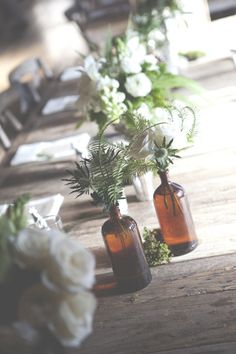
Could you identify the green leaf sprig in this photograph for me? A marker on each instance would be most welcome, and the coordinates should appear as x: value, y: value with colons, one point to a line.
x: 11, y: 223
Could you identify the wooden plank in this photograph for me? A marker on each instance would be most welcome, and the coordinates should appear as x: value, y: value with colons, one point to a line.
x: 219, y: 348
x: 191, y: 311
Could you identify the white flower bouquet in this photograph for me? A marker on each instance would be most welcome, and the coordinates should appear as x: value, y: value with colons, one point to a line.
x: 47, y: 278
x: 130, y: 78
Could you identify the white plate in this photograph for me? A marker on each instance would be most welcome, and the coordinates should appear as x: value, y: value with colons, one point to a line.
x: 49, y: 150
x: 60, y: 104
x: 45, y: 206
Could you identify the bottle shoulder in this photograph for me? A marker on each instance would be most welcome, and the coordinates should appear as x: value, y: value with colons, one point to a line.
x: 166, y: 189
x: 116, y: 224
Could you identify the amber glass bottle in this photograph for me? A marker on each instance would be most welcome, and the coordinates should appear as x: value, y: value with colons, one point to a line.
x: 124, y: 246
x: 174, y: 216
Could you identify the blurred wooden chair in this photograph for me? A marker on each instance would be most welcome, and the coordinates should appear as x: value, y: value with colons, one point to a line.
x: 89, y: 14
x: 27, y: 79
x: 10, y: 125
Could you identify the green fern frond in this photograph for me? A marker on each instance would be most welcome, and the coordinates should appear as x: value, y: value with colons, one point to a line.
x: 101, y: 174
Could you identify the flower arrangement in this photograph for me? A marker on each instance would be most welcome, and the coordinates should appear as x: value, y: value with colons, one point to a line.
x: 130, y: 78
x: 50, y: 276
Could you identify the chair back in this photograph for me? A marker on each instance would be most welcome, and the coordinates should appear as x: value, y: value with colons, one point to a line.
x: 9, y: 123
x: 26, y: 78
x: 32, y: 70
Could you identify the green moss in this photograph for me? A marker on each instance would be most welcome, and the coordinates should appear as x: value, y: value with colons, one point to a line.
x: 157, y: 252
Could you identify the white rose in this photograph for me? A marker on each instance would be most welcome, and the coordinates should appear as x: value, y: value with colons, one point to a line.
x: 130, y: 65
x: 138, y: 85
x: 31, y: 247
x: 71, y: 266
x: 72, y: 322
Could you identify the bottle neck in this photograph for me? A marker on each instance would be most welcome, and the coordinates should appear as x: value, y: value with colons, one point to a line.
x: 164, y: 176
x: 115, y: 212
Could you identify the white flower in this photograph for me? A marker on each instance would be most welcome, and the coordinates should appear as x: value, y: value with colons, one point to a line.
x: 151, y: 45
x: 138, y: 85
x: 106, y: 81
x: 119, y: 97
x: 135, y: 48
x: 92, y: 67
x: 161, y: 114
x: 31, y: 247
x: 72, y: 321
x: 171, y: 131
x: 156, y: 36
x: 71, y: 266
x: 144, y: 111
x: 130, y: 65
x: 152, y: 61
x: 139, y: 53
x: 133, y: 56
x: 133, y: 42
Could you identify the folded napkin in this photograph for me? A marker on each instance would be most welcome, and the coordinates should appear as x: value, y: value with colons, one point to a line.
x: 45, y: 206
x: 72, y: 73
x: 48, y: 150
x: 60, y: 104
x: 3, y: 208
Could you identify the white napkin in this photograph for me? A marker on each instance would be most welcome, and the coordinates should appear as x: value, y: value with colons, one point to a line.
x: 3, y: 208
x: 60, y: 104
x: 56, y: 149
x: 45, y: 206
x: 72, y: 73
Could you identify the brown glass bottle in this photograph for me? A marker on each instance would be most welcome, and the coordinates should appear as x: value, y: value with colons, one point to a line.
x: 174, y: 215
x: 124, y: 246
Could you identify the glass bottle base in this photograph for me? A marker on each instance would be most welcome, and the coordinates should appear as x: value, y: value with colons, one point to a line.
x: 134, y: 284
x: 183, y: 248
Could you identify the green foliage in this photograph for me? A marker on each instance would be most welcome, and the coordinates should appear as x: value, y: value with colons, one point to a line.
x: 132, y: 124
x: 15, y: 215
x: 157, y: 252
x: 13, y: 221
x: 166, y: 81
x: 101, y: 174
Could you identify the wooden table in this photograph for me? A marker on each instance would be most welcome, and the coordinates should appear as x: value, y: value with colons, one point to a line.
x: 190, y: 306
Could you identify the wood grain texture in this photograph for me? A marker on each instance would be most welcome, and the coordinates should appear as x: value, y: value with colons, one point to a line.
x: 180, y: 313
